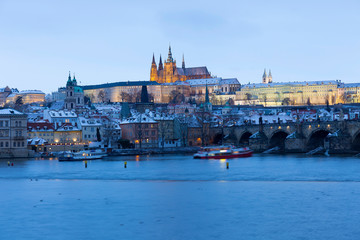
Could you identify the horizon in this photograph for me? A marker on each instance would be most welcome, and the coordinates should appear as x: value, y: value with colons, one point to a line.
x: 115, y: 41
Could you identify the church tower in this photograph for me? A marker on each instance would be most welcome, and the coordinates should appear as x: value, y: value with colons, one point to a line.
x: 183, y: 63
x: 153, y: 71
x: 270, y: 77
x: 74, y: 94
x: 265, y: 77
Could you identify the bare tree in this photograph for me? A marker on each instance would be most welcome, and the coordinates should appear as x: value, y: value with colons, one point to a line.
x: 286, y: 101
x: 308, y: 102
x: 164, y: 128
x: 176, y: 97
x: 101, y: 96
x: 248, y: 97
x: 265, y: 99
x: 125, y: 97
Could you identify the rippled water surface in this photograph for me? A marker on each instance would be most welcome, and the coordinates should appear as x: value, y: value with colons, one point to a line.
x: 177, y: 197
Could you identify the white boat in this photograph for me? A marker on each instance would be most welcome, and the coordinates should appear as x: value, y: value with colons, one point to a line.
x: 83, y: 155
x: 223, y: 152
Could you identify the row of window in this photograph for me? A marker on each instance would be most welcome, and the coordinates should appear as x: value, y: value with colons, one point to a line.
x: 15, y: 144
x: 87, y: 136
x: 5, y: 123
x: 18, y: 133
x: 42, y: 134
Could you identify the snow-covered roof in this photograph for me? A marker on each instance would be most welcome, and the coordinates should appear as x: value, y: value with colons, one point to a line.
x: 36, y: 141
x: 203, y: 82
x: 351, y: 85
x: 310, y: 83
x: 32, y: 92
x: 143, y: 118
x: 9, y: 111
x: 62, y: 113
x: 12, y: 95
x: 229, y: 81
x: 88, y: 122
x: 68, y: 127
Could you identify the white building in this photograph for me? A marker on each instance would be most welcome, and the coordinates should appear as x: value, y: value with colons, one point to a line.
x: 60, y: 117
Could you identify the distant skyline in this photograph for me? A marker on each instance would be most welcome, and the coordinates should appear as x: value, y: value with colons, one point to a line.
x: 110, y: 41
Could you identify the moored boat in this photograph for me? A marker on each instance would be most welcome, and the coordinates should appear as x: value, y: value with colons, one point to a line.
x: 83, y: 155
x: 223, y: 152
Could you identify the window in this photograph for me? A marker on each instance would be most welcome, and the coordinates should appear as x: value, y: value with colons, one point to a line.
x: 14, y: 144
x: 6, y: 144
x: 23, y: 144
x: 6, y: 123
x: 1, y: 144
x: 1, y: 123
x: 18, y: 144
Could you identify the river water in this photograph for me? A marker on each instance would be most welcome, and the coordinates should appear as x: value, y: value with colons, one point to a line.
x: 177, y: 197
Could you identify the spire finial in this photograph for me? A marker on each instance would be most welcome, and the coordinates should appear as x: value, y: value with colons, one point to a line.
x: 183, y: 62
x: 160, y: 64
x: 153, y: 60
x: 170, y: 59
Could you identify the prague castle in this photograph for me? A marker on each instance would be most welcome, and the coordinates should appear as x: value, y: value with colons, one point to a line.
x: 169, y: 72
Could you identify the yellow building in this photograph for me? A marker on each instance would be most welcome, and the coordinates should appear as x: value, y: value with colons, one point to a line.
x: 28, y: 96
x: 169, y: 73
x: 68, y: 134
x: 289, y: 93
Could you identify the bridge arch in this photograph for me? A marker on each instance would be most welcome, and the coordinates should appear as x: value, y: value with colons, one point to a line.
x: 244, y: 138
x: 277, y: 139
x: 317, y: 138
x: 355, y: 144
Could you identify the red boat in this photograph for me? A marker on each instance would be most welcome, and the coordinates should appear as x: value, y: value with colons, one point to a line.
x: 223, y: 152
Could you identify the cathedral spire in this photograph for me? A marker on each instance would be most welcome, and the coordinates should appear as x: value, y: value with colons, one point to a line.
x: 160, y: 64
x: 69, y: 78
x: 264, y: 75
x: 270, y: 73
x: 153, y: 60
x: 183, y: 62
x: 170, y: 59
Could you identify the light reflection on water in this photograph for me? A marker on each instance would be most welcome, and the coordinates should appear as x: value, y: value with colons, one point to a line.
x: 177, y: 197
x: 185, y: 168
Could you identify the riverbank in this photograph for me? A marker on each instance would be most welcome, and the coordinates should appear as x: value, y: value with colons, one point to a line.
x: 175, y: 150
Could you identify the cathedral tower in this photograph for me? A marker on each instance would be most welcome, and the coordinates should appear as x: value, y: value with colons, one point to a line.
x: 167, y: 72
x: 153, y: 71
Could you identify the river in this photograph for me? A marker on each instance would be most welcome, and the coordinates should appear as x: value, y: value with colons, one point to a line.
x: 177, y: 197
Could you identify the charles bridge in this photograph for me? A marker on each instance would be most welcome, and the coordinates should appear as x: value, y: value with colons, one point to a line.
x: 335, y: 136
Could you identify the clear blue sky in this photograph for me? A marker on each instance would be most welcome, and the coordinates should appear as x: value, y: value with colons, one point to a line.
x: 107, y: 41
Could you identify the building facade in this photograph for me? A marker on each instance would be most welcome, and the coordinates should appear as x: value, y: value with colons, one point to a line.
x: 140, y: 130
x: 13, y: 134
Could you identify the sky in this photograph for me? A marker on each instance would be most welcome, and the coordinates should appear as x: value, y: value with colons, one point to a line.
x: 109, y: 41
